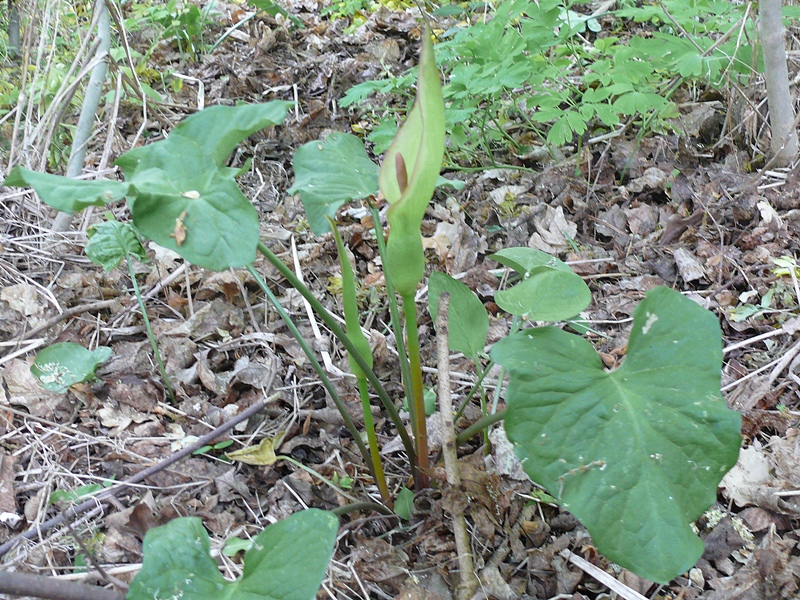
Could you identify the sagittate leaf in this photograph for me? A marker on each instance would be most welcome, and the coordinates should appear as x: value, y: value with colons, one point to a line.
x: 110, y: 242
x: 409, y: 173
x: 65, y: 194
x: 467, y: 319
x: 61, y: 365
x: 286, y: 562
x: 636, y: 454
x: 549, y: 290
x: 329, y: 173
x: 184, y: 198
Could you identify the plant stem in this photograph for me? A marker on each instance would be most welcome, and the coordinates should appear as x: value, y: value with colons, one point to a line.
x: 484, y: 372
x: 394, y: 312
x: 362, y: 506
x: 369, y: 425
x: 418, y: 412
x: 478, y: 426
x: 337, y: 331
x: 326, y: 382
x: 149, y: 330
x: 467, y: 580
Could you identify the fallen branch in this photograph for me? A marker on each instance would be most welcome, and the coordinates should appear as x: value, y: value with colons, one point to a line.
x: 27, y: 584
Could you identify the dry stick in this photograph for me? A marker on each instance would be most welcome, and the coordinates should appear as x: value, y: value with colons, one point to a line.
x: 26, y: 584
x: 69, y: 312
x: 141, y: 475
x: 468, y: 582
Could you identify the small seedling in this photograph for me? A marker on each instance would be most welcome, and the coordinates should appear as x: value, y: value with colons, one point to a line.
x: 111, y: 242
x: 62, y: 365
x: 207, y: 449
x: 286, y: 561
x: 78, y: 494
x: 343, y: 481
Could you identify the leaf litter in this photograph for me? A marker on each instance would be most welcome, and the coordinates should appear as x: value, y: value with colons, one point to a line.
x: 660, y: 227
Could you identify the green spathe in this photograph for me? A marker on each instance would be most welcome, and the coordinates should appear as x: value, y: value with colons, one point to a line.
x: 636, y: 454
x: 409, y: 174
x: 287, y: 561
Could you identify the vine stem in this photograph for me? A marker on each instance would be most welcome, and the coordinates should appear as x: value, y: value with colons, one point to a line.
x: 418, y: 413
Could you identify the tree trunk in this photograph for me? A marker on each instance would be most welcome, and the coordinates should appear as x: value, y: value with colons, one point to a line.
x: 781, y: 104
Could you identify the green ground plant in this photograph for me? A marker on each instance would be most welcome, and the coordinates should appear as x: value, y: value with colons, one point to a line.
x: 178, y: 22
x: 534, y: 73
x: 636, y: 453
x: 109, y: 244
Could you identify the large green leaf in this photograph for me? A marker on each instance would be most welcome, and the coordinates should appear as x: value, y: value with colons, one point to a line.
x: 111, y: 241
x: 636, y: 454
x: 65, y: 194
x: 549, y: 290
x: 467, y: 319
x: 183, y: 196
x: 287, y: 561
x: 330, y: 172
x: 59, y: 366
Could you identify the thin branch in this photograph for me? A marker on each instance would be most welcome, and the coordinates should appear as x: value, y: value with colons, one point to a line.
x: 26, y: 584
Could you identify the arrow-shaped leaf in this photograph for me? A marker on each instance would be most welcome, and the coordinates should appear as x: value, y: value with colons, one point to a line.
x: 636, y: 454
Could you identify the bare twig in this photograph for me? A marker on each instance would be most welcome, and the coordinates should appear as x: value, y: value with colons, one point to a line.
x: 468, y: 582
x: 616, y: 586
x: 73, y: 512
x: 26, y: 584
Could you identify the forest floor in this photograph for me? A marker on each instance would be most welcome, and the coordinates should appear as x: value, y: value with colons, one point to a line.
x: 677, y: 209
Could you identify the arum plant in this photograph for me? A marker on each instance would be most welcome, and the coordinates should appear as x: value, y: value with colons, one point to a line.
x: 635, y: 453
x: 331, y: 172
x: 407, y: 180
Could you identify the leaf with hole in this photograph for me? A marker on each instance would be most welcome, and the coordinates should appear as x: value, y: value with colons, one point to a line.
x: 287, y: 561
x: 329, y: 173
x: 636, y: 454
x: 549, y: 290
x: 184, y: 197
x: 181, y: 194
x: 59, y: 366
